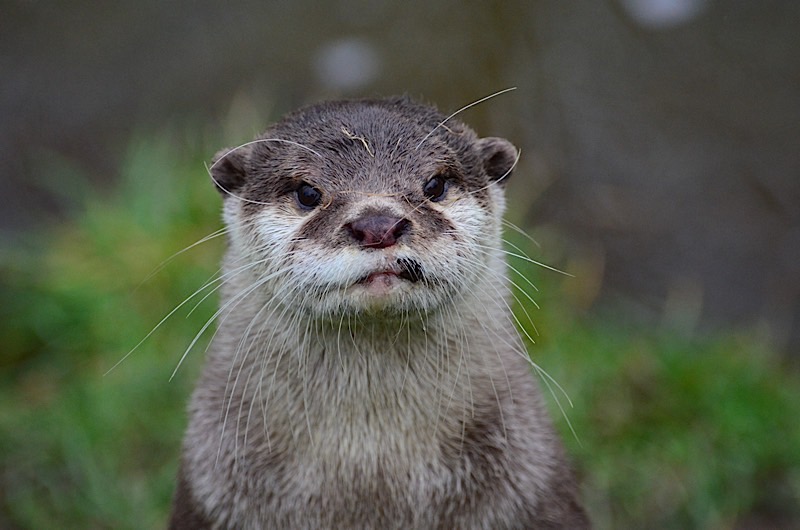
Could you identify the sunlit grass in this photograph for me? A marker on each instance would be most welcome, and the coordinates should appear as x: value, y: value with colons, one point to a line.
x: 672, y: 432
x: 81, y: 448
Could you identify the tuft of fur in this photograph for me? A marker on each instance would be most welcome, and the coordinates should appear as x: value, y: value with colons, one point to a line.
x: 368, y: 386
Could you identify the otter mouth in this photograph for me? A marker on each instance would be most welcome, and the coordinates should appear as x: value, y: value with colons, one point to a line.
x: 404, y: 269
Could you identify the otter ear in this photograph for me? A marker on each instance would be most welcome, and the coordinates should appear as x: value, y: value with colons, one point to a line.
x: 229, y: 169
x: 498, y: 157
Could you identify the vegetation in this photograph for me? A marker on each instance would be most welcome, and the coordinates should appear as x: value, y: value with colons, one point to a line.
x: 670, y: 431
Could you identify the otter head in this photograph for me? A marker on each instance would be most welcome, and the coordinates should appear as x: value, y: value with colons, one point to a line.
x: 375, y: 207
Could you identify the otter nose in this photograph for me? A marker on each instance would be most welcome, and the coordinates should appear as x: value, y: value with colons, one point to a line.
x: 377, y: 231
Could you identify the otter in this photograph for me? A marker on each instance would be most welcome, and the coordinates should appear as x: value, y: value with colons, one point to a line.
x: 366, y: 371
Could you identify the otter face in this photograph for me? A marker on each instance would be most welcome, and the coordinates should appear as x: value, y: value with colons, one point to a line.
x: 369, y: 207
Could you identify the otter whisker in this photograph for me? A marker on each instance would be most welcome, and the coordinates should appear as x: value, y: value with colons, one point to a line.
x: 213, y: 235
x: 527, y: 335
x: 521, y: 232
x: 242, y: 349
x: 156, y: 327
x: 462, y: 109
x: 226, y: 307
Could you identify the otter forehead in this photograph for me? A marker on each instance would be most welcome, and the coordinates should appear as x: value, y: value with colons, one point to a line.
x: 397, y: 124
x: 375, y: 147
x: 336, y: 154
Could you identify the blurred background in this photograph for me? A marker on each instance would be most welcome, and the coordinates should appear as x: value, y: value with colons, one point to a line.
x: 660, y: 166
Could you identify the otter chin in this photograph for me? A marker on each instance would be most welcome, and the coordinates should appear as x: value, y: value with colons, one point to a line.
x: 376, y: 291
x: 366, y: 371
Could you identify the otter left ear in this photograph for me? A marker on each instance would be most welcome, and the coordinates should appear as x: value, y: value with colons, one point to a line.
x: 229, y: 169
x: 498, y: 157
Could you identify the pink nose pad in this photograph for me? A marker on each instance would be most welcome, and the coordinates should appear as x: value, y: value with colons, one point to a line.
x: 377, y: 231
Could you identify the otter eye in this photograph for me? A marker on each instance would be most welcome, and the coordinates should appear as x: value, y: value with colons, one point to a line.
x: 436, y: 188
x: 308, y: 196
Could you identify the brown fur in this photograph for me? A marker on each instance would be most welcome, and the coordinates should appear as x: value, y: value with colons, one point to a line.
x: 331, y: 399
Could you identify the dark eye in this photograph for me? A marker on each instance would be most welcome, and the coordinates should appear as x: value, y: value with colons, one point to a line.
x: 436, y: 188
x: 308, y: 196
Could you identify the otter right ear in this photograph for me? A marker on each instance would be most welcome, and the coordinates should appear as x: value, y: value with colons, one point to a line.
x: 229, y: 169
x: 498, y: 156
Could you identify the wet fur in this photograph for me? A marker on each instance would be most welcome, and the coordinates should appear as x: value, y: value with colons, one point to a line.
x: 324, y: 405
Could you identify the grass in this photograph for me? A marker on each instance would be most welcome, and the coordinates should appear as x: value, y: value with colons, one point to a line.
x: 678, y: 433
x: 671, y: 432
